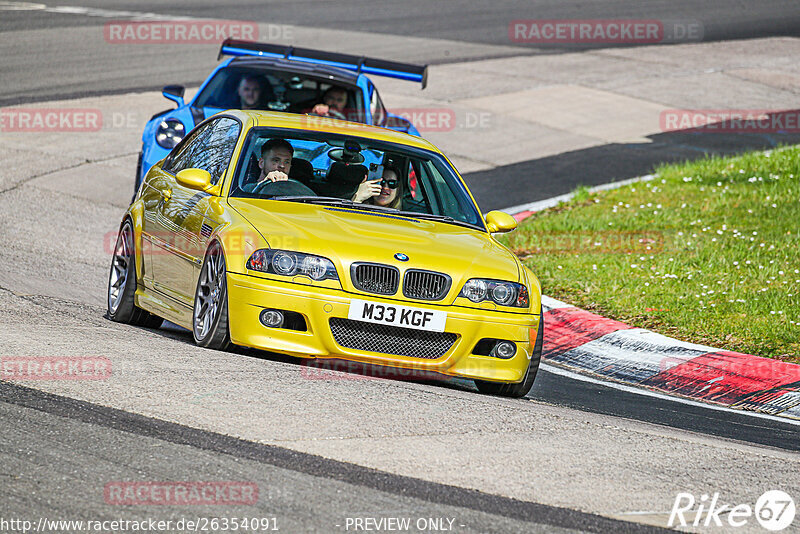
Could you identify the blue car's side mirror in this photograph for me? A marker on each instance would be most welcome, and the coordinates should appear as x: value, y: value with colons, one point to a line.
x: 174, y: 93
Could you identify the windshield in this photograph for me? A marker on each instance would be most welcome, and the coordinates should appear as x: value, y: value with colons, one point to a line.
x: 274, y: 90
x: 353, y: 171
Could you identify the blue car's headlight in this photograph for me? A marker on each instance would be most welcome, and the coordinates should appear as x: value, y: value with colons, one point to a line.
x: 288, y: 263
x: 499, y: 292
x: 169, y: 133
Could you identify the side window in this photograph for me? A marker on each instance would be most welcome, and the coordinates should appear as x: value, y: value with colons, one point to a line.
x: 182, y: 157
x: 444, y: 200
x: 211, y: 149
x: 218, y: 147
x: 376, y: 108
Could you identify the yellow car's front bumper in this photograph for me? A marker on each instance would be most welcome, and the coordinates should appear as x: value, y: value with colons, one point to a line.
x: 249, y: 295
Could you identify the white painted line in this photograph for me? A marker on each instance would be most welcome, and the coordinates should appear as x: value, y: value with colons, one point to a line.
x: 90, y: 12
x: 633, y: 355
x: 648, y: 393
x: 540, y: 205
x: 549, y: 303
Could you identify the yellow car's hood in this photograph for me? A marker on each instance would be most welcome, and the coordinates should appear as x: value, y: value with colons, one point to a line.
x: 346, y: 236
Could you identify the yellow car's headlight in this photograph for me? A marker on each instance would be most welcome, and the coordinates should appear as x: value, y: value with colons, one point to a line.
x: 498, y: 291
x: 289, y: 263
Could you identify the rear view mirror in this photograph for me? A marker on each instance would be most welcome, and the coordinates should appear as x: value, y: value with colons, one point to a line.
x: 498, y: 221
x: 174, y: 93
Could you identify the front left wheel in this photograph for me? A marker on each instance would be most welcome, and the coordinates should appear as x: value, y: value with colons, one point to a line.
x: 520, y: 389
x: 121, y: 304
x: 210, y: 315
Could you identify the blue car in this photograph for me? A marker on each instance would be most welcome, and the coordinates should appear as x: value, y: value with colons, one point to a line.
x: 289, y: 79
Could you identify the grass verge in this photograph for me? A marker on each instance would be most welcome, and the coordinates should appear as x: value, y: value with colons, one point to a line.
x: 707, y: 252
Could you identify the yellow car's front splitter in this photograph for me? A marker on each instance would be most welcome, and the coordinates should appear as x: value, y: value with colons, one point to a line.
x: 248, y: 296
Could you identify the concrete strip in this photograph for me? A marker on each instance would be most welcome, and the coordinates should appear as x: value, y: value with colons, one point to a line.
x: 579, y: 110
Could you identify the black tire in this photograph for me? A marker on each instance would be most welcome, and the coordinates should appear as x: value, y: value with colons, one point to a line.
x: 210, y: 312
x: 519, y: 389
x: 120, y: 303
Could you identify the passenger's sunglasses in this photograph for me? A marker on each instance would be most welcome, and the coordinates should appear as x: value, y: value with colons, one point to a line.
x: 391, y: 184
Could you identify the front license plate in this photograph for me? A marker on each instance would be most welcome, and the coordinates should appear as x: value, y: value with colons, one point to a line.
x: 392, y: 314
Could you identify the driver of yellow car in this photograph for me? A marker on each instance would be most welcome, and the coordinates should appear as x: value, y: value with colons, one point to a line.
x: 275, y: 161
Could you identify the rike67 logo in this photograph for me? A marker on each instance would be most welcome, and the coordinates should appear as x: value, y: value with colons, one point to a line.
x: 774, y: 511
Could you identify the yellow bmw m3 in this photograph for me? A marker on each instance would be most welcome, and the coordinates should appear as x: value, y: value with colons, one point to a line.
x: 321, y: 238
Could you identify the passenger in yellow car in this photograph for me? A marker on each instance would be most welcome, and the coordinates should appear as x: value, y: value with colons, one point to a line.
x: 276, y: 160
x: 387, y: 192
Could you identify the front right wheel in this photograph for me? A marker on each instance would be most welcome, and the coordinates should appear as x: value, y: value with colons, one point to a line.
x: 210, y: 315
x: 519, y: 389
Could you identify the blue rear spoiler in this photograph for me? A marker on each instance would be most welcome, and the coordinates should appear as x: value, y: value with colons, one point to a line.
x: 359, y: 64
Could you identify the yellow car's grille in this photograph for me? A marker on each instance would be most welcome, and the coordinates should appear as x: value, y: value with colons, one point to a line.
x: 425, y: 285
x: 387, y: 339
x: 385, y: 279
x: 375, y: 278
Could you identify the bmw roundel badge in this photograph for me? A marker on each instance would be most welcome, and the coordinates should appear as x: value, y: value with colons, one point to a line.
x: 400, y: 256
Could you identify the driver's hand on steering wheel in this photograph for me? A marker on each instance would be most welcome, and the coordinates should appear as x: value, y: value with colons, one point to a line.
x: 274, y: 176
x: 320, y: 109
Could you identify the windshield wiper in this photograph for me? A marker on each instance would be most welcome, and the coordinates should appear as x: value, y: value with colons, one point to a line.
x: 372, y: 207
x: 336, y: 201
x: 310, y: 199
x: 436, y: 217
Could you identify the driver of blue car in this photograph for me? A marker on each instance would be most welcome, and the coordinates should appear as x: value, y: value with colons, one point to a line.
x: 333, y: 103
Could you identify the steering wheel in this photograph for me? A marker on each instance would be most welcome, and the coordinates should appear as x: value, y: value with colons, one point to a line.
x: 283, y: 188
x: 336, y: 114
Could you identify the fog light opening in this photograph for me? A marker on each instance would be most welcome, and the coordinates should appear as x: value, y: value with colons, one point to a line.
x: 504, y: 349
x: 271, y: 318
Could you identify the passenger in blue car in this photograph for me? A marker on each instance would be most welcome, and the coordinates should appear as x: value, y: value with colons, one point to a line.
x: 251, y: 92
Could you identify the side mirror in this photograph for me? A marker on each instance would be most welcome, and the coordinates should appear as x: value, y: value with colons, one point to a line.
x: 498, y: 221
x: 174, y: 93
x: 194, y: 179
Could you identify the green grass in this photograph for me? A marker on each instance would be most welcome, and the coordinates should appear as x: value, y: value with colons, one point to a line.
x: 707, y: 252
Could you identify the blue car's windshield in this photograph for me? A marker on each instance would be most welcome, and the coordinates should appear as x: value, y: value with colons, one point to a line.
x: 324, y: 167
x: 239, y: 87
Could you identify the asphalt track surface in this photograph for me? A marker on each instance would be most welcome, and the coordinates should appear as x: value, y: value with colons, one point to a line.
x: 285, y: 478
x: 37, y: 66
x: 48, y: 55
x: 90, y: 430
